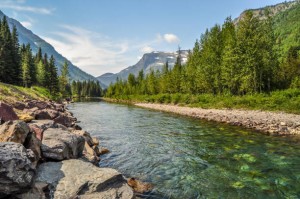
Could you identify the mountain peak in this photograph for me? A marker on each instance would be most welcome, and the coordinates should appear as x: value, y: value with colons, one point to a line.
x: 150, y: 61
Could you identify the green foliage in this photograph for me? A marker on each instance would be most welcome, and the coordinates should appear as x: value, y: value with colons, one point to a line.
x: 86, y: 89
x: 231, y: 66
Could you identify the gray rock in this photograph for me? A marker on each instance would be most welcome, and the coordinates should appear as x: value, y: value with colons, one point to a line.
x: 16, y: 169
x: 59, y: 144
x: 14, y: 131
x: 76, y: 178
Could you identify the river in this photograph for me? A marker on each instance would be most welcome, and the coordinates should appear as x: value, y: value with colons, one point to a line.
x: 187, y: 158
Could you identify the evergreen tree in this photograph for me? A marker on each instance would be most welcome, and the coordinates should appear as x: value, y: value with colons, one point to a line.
x: 64, y: 79
x: 17, y: 70
x: 53, y: 83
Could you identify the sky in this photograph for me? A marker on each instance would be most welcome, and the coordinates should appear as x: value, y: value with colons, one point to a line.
x: 101, y: 36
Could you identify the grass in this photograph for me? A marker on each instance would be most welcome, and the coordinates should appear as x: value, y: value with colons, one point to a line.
x: 11, y: 93
x: 286, y: 101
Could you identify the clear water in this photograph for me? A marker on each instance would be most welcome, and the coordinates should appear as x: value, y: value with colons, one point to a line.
x: 187, y: 158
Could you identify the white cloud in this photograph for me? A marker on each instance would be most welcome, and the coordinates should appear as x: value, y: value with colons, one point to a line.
x: 91, y: 51
x: 19, y: 6
x: 146, y: 49
x: 171, y: 38
x: 27, y: 24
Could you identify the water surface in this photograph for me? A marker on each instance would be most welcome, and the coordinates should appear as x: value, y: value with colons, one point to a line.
x: 187, y: 158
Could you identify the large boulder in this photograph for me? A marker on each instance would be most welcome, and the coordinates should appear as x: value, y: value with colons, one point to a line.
x: 7, y: 112
x: 65, y: 120
x: 86, y: 136
x: 39, y: 126
x: 79, y: 179
x: 46, y: 114
x: 33, y: 143
x: 59, y: 144
x: 14, y: 131
x: 16, y: 169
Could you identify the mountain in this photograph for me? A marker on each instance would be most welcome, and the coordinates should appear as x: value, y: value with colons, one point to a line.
x: 273, y: 10
x: 149, y: 61
x: 286, y: 24
x: 27, y: 36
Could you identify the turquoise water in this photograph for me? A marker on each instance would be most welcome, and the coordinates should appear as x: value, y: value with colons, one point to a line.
x: 187, y: 158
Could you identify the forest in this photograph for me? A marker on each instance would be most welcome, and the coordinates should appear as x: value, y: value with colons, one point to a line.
x: 229, y: 60
x: 18, y: 66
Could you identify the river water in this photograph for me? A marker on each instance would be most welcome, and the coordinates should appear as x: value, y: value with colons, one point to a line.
x: 187, y: 158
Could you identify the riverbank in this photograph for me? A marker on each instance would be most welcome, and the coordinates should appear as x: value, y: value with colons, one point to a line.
x: 273, y: 123
x: 39, y: 138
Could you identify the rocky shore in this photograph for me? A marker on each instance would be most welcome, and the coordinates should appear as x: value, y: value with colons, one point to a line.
x: 266, y: 122
x: 45, y: 154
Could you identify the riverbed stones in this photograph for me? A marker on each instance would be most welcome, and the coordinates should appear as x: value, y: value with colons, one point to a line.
x: 14, y: 131
x: 79, y: 179
x: 59, y: 144
x: 16, y: 169
x: 7, y: 113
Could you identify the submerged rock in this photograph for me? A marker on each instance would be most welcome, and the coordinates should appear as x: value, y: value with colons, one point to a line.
x: 139, y: 186
x: 16, y: 169
x: 79, y: 179
x: 59, y: 144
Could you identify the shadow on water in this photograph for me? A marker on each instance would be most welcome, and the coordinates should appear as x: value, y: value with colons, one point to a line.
x: 188, y: 158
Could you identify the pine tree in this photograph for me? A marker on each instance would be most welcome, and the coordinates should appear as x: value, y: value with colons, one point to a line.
x: 17, y: 70
x: 64, y: 79
x: 7, y: 53
x: 53, y: 78
x: 231, y: 72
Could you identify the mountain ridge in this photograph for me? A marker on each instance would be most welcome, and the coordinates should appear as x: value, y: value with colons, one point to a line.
x: 27, y: 36
x: 150, y: 61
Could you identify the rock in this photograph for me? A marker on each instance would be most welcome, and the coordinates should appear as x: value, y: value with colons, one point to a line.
x: 104, y: 151
x: 38, y: 191
x: 79, y: 179
x: 59, y: 107
x: 42, y: 115
x: 14, y: 131
x: 64, y: 120
x: 7, y: 113
x: 283, y: 124
x: 90, y: 155
x: 96, y: 141
x: 19, y: 105
x: 25, y: 117
x: 58, y: 144
x: 86, y: 136
x: 39, y: 126
x: 31, y: 111
x: 33, y: 143
x: 45, y: 114
x: 38, y: 104
x: 16, y: 169
x: 138, y: 186
x: 97, y: 150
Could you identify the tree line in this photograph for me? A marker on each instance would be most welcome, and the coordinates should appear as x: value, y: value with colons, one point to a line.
x: 233, y: 59
x: 18, y: 66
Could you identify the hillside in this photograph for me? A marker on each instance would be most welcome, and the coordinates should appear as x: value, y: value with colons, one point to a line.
x: 149, y: 61
x: 27, y: 36
x: 286, y: 23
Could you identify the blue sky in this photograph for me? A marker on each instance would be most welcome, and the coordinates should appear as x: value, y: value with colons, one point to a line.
x: 102, y: 36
